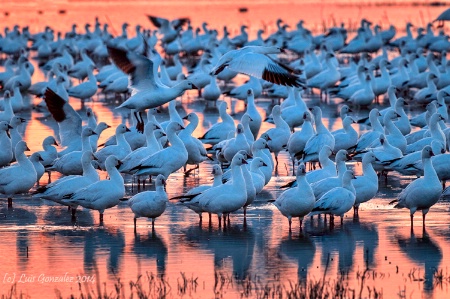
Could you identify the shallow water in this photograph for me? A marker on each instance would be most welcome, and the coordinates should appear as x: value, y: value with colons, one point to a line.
x: 39, y: 242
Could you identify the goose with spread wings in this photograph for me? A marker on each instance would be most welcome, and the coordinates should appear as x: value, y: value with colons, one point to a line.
x: 254, y: 61
x: 147, y: 91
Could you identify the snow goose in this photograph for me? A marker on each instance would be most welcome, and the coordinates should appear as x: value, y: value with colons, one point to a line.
x: 195, y: 149
x: 168, y: 29
x: 173, y: 115
x: 7, y: 112
x: 327, y: 77
x: 103, y: 194
x: 6, y: 154
x: 293, y: 115
x: 148, y: 93
x: 401, y: 78
x: 120, y: 150
x: 386, y: 154
x: 246, y: 120
x: 211, y: 91
x: 435, y: 132
x: 167, y: 160
x: 403, y: 122
x: 298, y: 201
x: 226, y: 198
x: 422, y: 193
x: 337, y: 201
x: 70, y: 164
x: 254, y: 114
x: 366, y: 185
x: 328, y: 167
x: 19, y: 178
x: 150, y: 204
x: 188, y: 199
x: 253, y: 61
x: 86, y: 89
x: 364, y: 96
x: 69, y: 121
x: 411, y: 164
x: 70, y: 184
x: 326, y: 184
x: 278, y: 136
x: 36, y: 159
x: 422, y: 120
x: 219, y: 131
x: 381, y: 84
x: 298, y: 140
x: 427, y: 94
x: 98, y: 131
x: 258, y: 150
x: 348, y: 138
x: 152, y: 146
x: 322, y: 138
x: 14, y: 133
x: 241, y: 92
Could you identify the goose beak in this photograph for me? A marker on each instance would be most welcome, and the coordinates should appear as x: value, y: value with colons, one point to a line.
x: 194, y: 87
x: 10, y: 127
x: 244, y: 161
x: 94, y: 157
x: 119, y: 163
x: 186, y: 117
x: 23, y: 120
x: 27, y: 149
x: 264, y: 164
x: 40, y: 159
x: 108, y: 126
x: 55, y: 143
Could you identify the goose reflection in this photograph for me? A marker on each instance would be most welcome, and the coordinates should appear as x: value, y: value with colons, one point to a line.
x: 59, y: 215
x: 301, y: 249
x: 99, y: 241
x: 233, y: 242
x: 339, y: 242
x: 367, y: 234
x: 151, y: 246
x: 424, y: 251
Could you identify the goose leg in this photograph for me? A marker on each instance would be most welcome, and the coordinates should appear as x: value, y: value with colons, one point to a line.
x: 74, y: 211
x: 301, y: 223
x: 134, y: 225
x: 290, y: 224
x: 412, y: 218
x: 101, y: 218
x: 220, y: 220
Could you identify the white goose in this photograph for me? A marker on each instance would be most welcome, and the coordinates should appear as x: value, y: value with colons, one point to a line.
x: 326, y: 184
x: 348, y: 138
x: 167, y: 160
x: 219, y: 131
x: 70, y: 184
x: 195, y: 149
x: 278, y: 136
x: 226, y: 198
x: 322, y: 138
x: 253, y: 61
x: 337, y: 201
x: 366, y: 185
x: 422, y: 193
x: 19, y: 178
x: 254, y: 114
x: 297, y: 141
x: 6, y: 154
x: 187, y: 199
x: 148, y: 93
x: 135, y: 157
x: 70, y: 164
x: 103, y: 194
x: 120, y: 150
x: 296, y: 202
x: 150, y: 204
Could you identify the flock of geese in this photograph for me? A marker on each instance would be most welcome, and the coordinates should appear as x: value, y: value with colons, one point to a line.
x: 158, y: 66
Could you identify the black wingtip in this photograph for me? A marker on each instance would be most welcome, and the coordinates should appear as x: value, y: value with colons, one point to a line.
x: 120, y: 59
x: 55, y: 105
